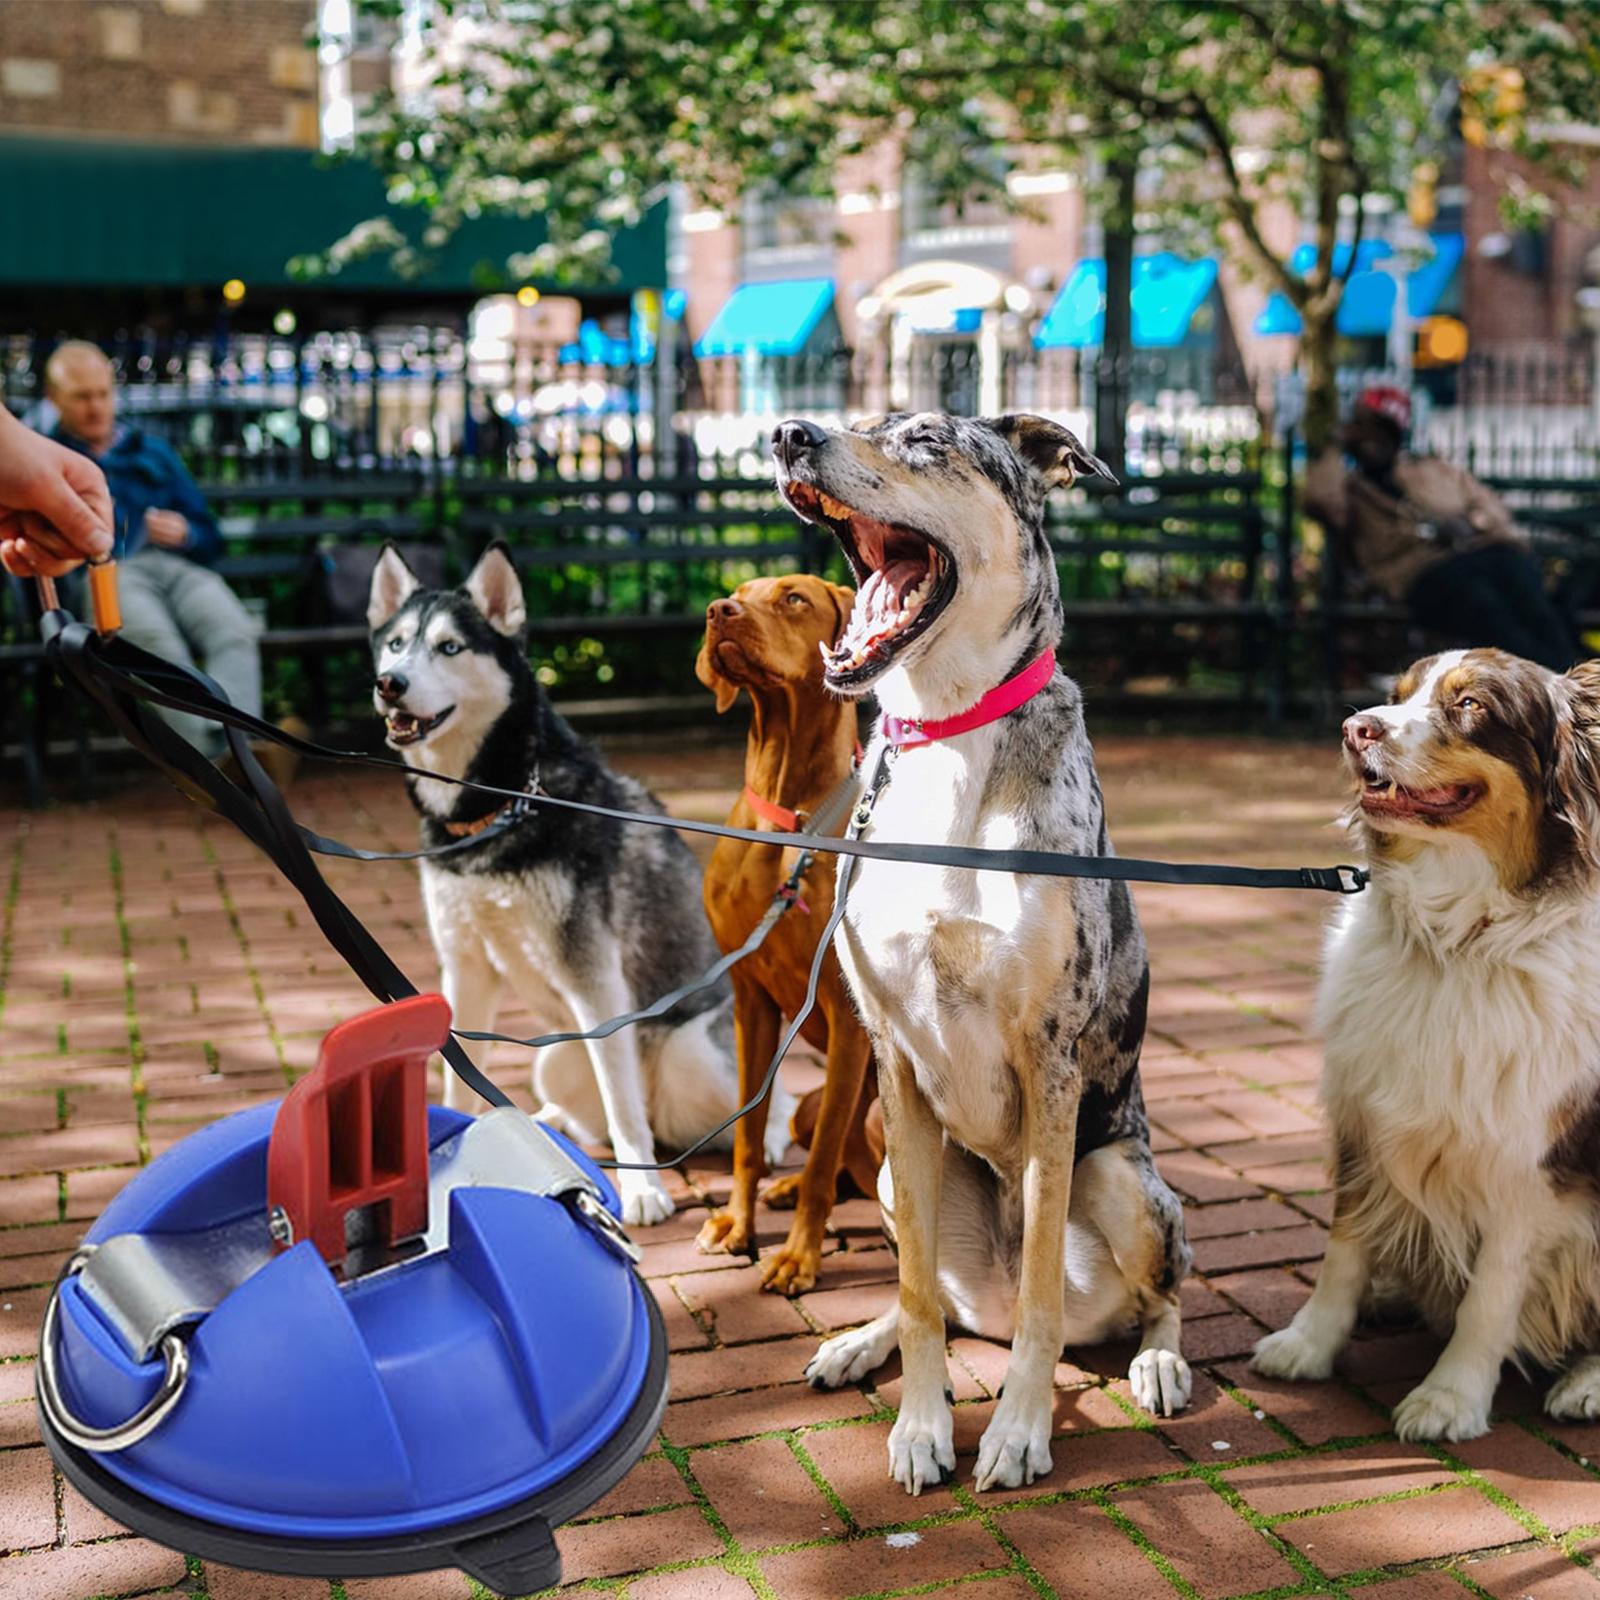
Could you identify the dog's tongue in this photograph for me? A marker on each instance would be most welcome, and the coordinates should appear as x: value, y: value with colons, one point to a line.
x: 1408, y: 800
x: 886, y: 602
x: 901, y: 577
x: 1446, y: 795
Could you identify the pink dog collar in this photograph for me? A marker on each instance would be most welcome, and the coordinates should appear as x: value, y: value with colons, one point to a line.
x: 999, y: 702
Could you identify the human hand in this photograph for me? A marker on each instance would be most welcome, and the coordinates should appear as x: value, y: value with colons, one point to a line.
x: 169, y: 529
x: 55, y: 509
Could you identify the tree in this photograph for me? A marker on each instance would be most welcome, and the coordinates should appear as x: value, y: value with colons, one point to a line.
x: 584, y: 111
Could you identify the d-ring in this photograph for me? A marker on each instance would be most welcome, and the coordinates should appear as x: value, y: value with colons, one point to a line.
x: 610, y: 1230
x: 149, y: 1417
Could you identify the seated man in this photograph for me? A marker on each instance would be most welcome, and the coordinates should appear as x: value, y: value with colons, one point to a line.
x: 172, y: 603
x: 1430, y: 535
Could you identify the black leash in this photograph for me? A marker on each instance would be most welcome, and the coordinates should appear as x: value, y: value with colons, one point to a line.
x: 819, y: 956
x: 257, y: 809
x: 140, y: 674
x: 827, y: 813
x: 260, y: 812
x: 125, y: 680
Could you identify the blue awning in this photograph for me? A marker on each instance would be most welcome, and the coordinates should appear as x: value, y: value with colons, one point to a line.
x: 1367, y: 308
x: 772, y: 319
x: 594, y: 347
x: 1167, y: 291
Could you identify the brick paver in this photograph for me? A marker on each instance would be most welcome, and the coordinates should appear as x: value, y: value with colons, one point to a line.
x: 157, y: 974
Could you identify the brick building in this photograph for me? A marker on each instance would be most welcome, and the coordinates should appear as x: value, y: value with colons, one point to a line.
x: 1521, y: 289
x: 938, y: 298
x: 192, y: 71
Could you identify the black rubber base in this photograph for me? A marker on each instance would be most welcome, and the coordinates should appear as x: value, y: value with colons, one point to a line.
x: 511, y: 1551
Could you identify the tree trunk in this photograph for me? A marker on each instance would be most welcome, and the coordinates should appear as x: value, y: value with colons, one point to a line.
x: 1113, y: 381
x: 1319, y: 369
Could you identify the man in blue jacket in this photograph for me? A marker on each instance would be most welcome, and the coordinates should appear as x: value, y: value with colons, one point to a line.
x: 173, y: 604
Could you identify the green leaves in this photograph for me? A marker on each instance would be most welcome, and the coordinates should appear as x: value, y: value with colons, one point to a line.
x: 584, y: 111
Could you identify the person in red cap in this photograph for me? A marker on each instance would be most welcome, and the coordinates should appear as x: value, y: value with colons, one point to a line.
x: 1428, y: 534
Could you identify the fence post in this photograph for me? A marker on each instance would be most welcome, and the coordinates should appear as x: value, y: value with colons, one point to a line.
x: 666, y: 396
x: 1283, y: 583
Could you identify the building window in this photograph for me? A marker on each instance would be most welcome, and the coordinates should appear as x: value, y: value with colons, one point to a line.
x: 977, y: 202
x: 774, y: 220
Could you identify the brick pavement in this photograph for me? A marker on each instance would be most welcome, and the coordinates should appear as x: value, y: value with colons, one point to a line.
x: 157, y: 974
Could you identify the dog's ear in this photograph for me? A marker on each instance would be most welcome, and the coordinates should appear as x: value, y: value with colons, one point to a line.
x: 1057, y: 454
x: 1574, y: 786
x: 844, y: 600
x: 496, y: 590
x: 393, y: 583
x: 705, y: 669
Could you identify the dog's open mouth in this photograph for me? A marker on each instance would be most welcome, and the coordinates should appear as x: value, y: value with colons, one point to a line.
x: 904, y: 579
x: 404, y: 727
x: 1381, y: 796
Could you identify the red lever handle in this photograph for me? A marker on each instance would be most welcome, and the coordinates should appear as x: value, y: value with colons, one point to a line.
x: 353, y: 1133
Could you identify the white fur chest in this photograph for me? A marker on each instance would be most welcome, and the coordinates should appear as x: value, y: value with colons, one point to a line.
x: 946, y: 962
x: 509, y: 920
x: 1455, y: 1040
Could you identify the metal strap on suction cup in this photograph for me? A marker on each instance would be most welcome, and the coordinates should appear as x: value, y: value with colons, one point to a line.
x: 506, y: 1149
x: 149, y: 1417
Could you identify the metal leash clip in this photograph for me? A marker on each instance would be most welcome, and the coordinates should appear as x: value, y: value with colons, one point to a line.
x: 875, y: 787
x: 105, y: 604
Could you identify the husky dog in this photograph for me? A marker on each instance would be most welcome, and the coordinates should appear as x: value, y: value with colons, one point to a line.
x: 579, y: 917
x: 1006, y: 1013
x: 1462, y: 1019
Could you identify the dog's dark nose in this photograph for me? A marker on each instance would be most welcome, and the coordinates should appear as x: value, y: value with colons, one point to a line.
x: 391, y: 685
x: 794, y: 438
x: 1361, y: 731
x: 724, y: 610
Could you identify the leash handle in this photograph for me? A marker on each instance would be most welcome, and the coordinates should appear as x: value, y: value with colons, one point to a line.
x: 104, y: 602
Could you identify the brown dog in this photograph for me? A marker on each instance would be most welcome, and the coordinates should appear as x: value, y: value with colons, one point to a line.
x: 766, y: 639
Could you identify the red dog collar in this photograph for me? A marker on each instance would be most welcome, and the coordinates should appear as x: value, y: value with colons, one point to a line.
x: 1000, y: 701
x: 781, y: 816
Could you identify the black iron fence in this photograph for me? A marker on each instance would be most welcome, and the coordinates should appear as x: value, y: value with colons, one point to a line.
x: 1532, y: 412
x: 634, y: 492
x: 282, y: 406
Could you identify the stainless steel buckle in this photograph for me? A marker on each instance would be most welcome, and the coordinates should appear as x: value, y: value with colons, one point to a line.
x: 506, y: 1149
x: 149, y: 1417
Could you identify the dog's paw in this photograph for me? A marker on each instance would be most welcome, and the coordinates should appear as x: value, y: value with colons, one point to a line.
x: 792, y: 1268
x: 1015, y: 1448
x: 1161, y: 1381
x: 645, y: 1200
x: 783, y: 1194
x: 724, y: 1234
x: 1438, y: 1410
x: 1575, y: 1395
x: 776, y: 1144
x: 1288, y: 1353
x: 922, y: 1450
x: 848, y: 1357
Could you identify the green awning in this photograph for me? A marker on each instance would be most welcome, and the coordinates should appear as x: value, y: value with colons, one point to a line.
x: 96, y: 213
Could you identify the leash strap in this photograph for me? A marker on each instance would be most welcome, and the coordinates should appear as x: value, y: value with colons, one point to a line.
x: 123, y: 680
x: 257, y: 809
x: 508, y: 818
x: 261, y: 814
x: 139, y: 673
x: 841, y: 892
